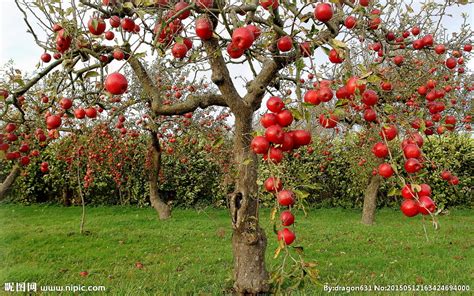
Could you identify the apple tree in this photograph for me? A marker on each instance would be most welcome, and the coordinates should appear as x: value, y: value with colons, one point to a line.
x: 248, y: 50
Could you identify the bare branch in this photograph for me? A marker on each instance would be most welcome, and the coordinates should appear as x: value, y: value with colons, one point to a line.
x: 37, y: 78
x: 220, y: 74
x: 191, y: 103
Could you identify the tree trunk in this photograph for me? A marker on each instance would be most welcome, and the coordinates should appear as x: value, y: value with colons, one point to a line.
x: 370, y: 200
x: 163, y: 210
x: 67, y: 196
x: 7, y: 183
x: 248, y: 239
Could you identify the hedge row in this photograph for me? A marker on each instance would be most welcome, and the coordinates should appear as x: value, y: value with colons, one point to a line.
x: 330, y: 175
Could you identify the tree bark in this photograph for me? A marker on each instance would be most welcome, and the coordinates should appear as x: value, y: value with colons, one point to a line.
x: 163, y: 210
x: 66, y: 197
x: 370, y: 200
x: 248, y: 239
x: 7, y: 183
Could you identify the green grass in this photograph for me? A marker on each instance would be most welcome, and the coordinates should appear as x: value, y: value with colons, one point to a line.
x: 191, y: 253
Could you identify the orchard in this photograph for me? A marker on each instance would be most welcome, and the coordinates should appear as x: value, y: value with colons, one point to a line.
x: 268, y: 109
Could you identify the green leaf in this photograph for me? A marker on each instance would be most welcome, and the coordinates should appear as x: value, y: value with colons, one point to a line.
x: 300, y: 64
x: 337, y: 43
x: 362, y: 68
x: 296, y: 113
x: 273, y: 214
x: 306, y: 105
x: 95, y: 23
x: 301, y: 194
x: 69, y: 11
x: 140, y: 55
x: 374, y: 79
x: 299, y: 250
x: 342, y: 102
x: 393, y: 192
x: 275, y: 230
x: 388, y: 109
x: 140, y: 13
x: 364, y: 77
x: 19, y: 81
x: 326, y: 50
x: 302, y: 175
x: 291, y: 70
x: 307, y: 115
x: 91, y: 74
x: 128, y: 5
x: 247, y: 161
x: 313, y: 186
x: 278, y: 250
x: 339, y: 112
x: 306, y: 17
x: 218, y: 142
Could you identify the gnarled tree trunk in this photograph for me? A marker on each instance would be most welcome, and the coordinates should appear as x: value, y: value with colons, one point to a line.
x: 248, y: 239
x: 7, y: 183
x: 163, y: 210
x: 370, y: 200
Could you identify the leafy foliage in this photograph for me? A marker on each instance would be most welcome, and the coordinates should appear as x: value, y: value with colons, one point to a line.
x: 332, y: 175
x: 327, y: 176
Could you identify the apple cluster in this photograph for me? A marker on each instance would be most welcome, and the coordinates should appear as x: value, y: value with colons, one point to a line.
x: 22, y: 151
x: 276, y: 140
x: 417, y: 200
x: 272, y: 145
x: 285, y: 198
x: 418, y: 196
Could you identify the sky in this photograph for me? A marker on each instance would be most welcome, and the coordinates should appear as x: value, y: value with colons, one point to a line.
x: 15, y: 43
x: 19, y: 46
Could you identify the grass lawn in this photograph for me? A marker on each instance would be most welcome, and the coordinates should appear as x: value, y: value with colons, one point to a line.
x: 191, y: 253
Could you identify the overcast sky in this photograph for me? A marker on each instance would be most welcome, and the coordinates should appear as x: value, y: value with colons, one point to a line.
x: 19, y: 46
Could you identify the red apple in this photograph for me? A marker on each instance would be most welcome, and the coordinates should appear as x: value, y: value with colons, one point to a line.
x: 323, y: 12
x: 116, y: 83
x: 273, y: 184
x: 260, y: 145
x: 204, y: 28
x: 46, y: 57
x: 287, y: 218
x: 287, y: 236
x: 286, y: 198
x: 285, y: 43
x: 426, y: 205
x: 409, y: 208
x: 242, y: 38
x: 385, y: 170
x: 96, y: 26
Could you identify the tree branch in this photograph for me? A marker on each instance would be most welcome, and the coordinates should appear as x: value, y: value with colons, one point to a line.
x: 256, y: 88
x: 151, y: 91
x: 37, y: 78
x: 220, y: 74
x: 191, y: 103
